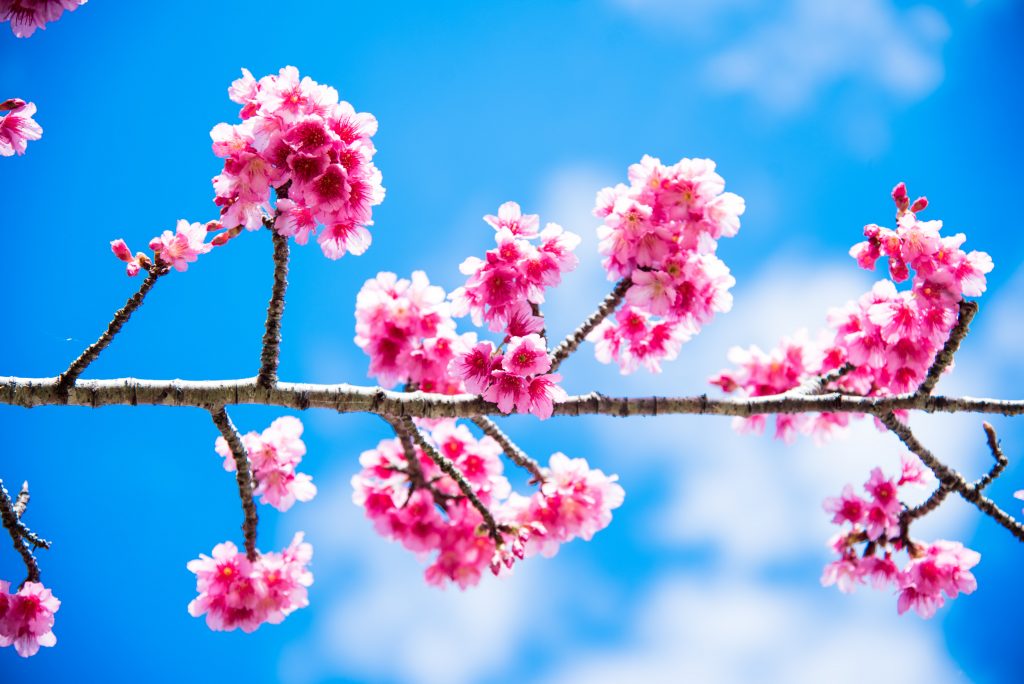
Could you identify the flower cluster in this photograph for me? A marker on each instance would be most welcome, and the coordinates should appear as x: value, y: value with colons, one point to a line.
x: 874, y: 522
x: 28, y: 15
x: 406, y: 329
x: 502, y: 286
x: 26, y: 617
x: 516, y: 379
x: 418, y: 505
x: 314, y: 150
x: 662, y: 231
x: 274, y: 455
x: 235, y: 592
x: 177, y: 249
x: 889, y: 336
x: 17, y: 127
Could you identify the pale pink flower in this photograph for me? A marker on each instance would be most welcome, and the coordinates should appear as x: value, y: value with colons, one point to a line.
x: 506, y: 390
x: 28, y: 15
x: 511, y: 217
x: 183, y: 247
x: 845, y: 573
x: 18, y: 126
x: 26, y: 618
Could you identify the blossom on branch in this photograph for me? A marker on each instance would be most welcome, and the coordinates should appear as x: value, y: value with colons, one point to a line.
x: 891, y: 337
x: 26, y: 617
x: 296, y: 137
x: 419, y: 506
x: 662, y: 231
x: 236, y: 593
x: 17, y: 127
x: 274, y: 455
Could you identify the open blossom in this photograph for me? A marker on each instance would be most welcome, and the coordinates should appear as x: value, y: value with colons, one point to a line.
x: 182, y: 247
x: 889, y: 336
x: 426, y: 514
x: 17, y: 127
x: 236, y: 593
x: 405, y: 327
x: 871, y: 535
x: 28, y: 15
x: 274, y: 456
x: 314, y: 150
x: 662, y: 231
x: 516, y: 273
x: 26, y: 618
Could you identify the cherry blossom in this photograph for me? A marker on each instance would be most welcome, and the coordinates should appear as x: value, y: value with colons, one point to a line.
x: 237, y: 593
x: 423, y: 509
x: 274, y: 455
x: 315, y: 151
x: 28, y: 15
x: 890, y: 336
x: 662, y: 231
x: 26, y: 617
x: 17, y: 127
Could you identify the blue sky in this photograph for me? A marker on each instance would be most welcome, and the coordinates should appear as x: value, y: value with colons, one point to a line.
x: 813, y: 110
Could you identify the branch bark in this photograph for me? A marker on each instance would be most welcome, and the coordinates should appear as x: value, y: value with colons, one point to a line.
x: 243, y: 476
x: 271, y: 353
x: 345, y: 398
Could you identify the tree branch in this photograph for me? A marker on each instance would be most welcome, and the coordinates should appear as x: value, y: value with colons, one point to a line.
x: 452, y: 471
x: 14, y: 527
x: 345, y: 398
x: 605, y: 309
x: 951, y: 479
x: 243, y: 476
x: 21, y: 503
x: 68, y: 377
x: 997, y: 454
x: 510, y: 448
x: 271, y: 353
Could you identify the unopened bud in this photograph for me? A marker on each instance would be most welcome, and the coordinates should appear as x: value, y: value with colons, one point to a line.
x: 120, y: 250
x: 920, y: 204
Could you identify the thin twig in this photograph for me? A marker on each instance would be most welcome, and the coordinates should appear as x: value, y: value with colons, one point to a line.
x: 21, y: 503
x: 997, y: 454
x: 510, y: 448
x: 78, y: 366
x: 926, y: 507
x: 452, y: 471
x: 951, y: 478
x: 816, y: 384
x: 243, y: 476
x: 14, y: 527
x: 271, y: 353
x: 945, y: 356
x: 570, y: 343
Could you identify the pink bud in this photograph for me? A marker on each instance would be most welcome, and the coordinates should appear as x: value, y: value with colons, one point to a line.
x: 156, y: 244
x: 120, y: 250
x: 220, y: 240
x: 213, y: 225
x: 496, y: 563
x: 132, y: 269
x: 11, y: 105
x: 919, y: 204
x: 899, y: 196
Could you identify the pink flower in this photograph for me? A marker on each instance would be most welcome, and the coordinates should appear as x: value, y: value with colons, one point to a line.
x: 18, y: 126
x: 183, y: 247
x: 235, y: 592
x: 848, y: 508
x: 26, y: 618
x: 506, y: 390
x: 28, y: 15
x: 526, y: 356
x: 944, y: 567
x: 475, y: 366
x: 274, y: 456
x: 540, y: 395
x: 511, y: 217
x: 845, y: 573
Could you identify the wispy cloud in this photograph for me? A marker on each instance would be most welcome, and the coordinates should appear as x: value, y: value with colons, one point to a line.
x: 786, y: 63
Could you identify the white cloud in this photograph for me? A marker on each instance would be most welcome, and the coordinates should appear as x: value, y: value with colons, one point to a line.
x: 719, y: 630
x: 785, y: 64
